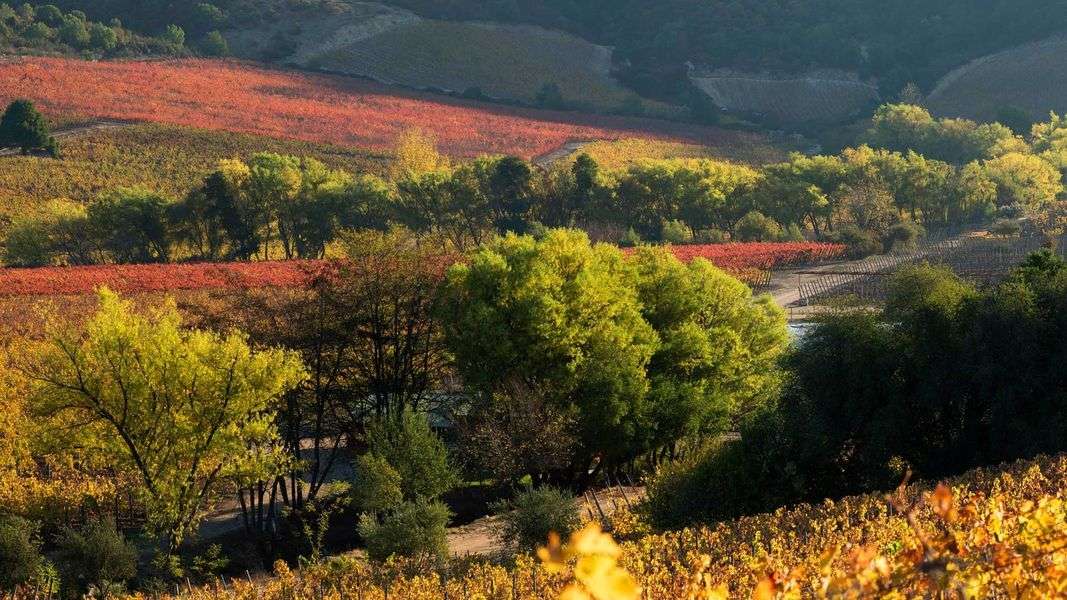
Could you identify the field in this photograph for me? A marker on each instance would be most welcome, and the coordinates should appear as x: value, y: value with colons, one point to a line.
x: 620, y: 154
x: 239, y: 97
x: 1029, y: 77
x: 133, y: 279
x: 815, y: 98
x: 997, y: 532
x: 169, y: 159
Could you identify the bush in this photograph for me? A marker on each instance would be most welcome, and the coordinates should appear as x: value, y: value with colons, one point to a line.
x: 1006, y: 228
x: 20, y: 552
x: 1011, y: 211
x: 793, y: 233
x: 410, y: 447
x: 757, y: 227
x: 534, y: 513
x: 676, y: 232
x: 861, y: 243
x: 214, y: 44
x: 711, y: 236
x: 27, y: 244
x: 630, y: 239
x: 377, y: 487
x: 414, y: 529
x: 96, y: 556
x: 903, y: 236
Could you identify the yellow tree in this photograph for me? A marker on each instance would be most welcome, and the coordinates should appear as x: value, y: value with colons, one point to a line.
x: 183, y: 410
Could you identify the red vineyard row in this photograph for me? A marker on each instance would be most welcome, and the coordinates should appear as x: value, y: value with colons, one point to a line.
x: 739, y: 259
x: 241, y: 97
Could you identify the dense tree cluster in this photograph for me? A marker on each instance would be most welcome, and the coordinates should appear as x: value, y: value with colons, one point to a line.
x: 46, y: 27
x: 946, y: 378
x: 275, y: 206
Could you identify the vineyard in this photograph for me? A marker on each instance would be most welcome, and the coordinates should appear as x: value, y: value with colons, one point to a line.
x: 981, y: 259
x: 168, y: 159
x: 620, y: 154
x: 1027, y: 77
x: 997, y: 532
x: 738, y: 259
x: 133, y: 279
x: 239, y: 97
x: 814, y: 98
x: 511, y: 62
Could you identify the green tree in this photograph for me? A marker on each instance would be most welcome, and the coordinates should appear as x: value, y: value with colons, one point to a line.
x: 409, y: 446
x: 377, y: 487
x: 214, y: 44
x: 74, y: 32
x: 23, y: 127
x: 174, y: 35
x: 95, y: 555
x: 131, y: 224
x: 1024, y: 179
x: 102, y: 37
x: 182, y: 410
x: 20, y: 551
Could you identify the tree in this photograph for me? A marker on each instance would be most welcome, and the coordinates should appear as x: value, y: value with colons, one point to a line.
x: 74, y: 32
x: 183, y: 410
x: 102, y: 37
x: 407, y: 444
x: 20, y: 551
x: 23, y: 127
x: 131, y: 224
x: 214, y: 44
x: 174, y: 35
x: 634, y: 351
x: 1024, y: 179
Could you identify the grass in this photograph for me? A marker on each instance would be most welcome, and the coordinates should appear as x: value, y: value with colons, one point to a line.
x: 166, y: 158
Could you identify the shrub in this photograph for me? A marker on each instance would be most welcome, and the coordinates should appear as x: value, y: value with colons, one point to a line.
x: 378, y: 485
x: 27, y: 244
x: 676, y: 232
x: 102, y: 37
x: 711, y: 236
x: 1006, y: 228
x: 1011, y: 211
x: 214, y: 44
x: 95, y: 556
x: 792, y: 233
x: 20, y: 551
x: 903, y: 236
x: 174, y: 35
x: 630, y: 239
x: 534, y: 513
x: 860, y: 242
x: 414, y: 529
x: 419, y: 456
x: 757, y: 227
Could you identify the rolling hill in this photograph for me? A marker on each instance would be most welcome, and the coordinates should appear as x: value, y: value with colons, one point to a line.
x: 395, y: 46
x: 1031, y: 77
x: 241, y: 97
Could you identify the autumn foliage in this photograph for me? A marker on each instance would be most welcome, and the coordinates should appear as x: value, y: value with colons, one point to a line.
x: 234, y: 96
x: 131, y: 279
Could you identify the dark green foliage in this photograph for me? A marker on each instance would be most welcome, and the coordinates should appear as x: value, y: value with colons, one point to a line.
x: 20, y: 552
x: 946, y: 378
x: 757, y: 227
x: 377, y: 487
x: 860, y: 242
x: 409, y: 446
x: 550, y: 96
x: 903, y: 236
x: 214, y: 44
x: 96, y: 555
x: 415, y: 529
x: 23, y: 127
x: 132, y: 225
x: 534, y: 513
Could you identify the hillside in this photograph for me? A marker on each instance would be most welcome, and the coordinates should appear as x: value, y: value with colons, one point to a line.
x: 240, y: 97
x: 510, y: 62
x: 166, y: 158
x: 1030, y: 77
x: 817, y: 97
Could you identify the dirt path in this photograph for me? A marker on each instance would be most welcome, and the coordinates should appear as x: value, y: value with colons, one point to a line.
x: 74, y: 130
x: 546, y: 160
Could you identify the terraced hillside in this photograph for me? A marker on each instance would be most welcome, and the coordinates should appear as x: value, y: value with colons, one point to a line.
x: 1030, y: 77
x: 815, y: 97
